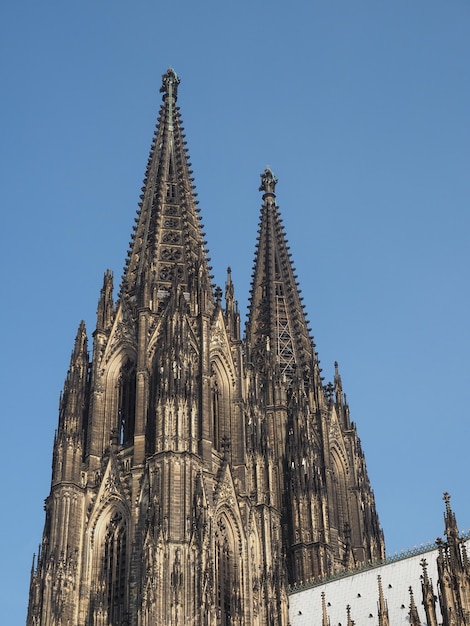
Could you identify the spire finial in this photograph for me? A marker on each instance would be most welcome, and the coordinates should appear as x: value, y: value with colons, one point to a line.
x: 268, y: 182
x: 170, y: 82
x: 446, y: 498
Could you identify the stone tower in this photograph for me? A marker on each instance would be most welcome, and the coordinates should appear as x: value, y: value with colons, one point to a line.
x: 197, y: 474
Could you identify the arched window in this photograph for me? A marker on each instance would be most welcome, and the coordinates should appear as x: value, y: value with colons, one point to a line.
x: 215, y: 407
x: 340, y: 503
x: 127, y: 389
x: 227, y: 577
x: 224, y: 582
x: 220, y: 405
x: 114, y: 557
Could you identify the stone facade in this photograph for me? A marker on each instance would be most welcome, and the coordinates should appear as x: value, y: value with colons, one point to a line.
x: 197, y: 473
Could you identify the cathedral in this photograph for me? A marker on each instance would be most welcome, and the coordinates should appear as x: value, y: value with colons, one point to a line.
x: 201, y: 476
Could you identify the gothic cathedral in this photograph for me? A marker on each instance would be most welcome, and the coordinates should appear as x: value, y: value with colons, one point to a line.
x: 197, y: 473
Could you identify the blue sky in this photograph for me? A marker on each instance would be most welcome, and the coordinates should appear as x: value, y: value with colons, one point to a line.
x: 361, y: 110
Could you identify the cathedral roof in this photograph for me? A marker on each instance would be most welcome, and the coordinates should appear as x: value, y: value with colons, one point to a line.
x: 360, y: 591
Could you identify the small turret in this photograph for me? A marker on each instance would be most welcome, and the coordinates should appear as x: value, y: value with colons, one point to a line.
x: 382, y: 606
x: 429, y: 599
x: 413, y: 612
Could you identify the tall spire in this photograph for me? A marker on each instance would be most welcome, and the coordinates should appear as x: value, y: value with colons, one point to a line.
x: 167, y: 245
x: 276, y: 323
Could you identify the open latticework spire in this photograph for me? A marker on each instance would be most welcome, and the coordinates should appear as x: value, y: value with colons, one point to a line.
x: 276, y: 322
x: 167, y: 244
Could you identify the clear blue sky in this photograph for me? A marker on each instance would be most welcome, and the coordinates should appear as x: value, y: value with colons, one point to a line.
x: 361, y: 108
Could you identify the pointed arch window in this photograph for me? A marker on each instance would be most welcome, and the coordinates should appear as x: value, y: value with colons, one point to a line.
x: 215, y: 406
x: 126, y: 411
x: 224, y: 583
x: 340, y: 501
x: 227, y: 578
x: 114, y: 568
x: 220, y: 405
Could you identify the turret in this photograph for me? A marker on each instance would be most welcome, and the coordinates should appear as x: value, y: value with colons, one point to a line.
x: 382, y: 608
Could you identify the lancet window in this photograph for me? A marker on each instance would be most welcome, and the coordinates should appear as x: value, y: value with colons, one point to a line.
x: 220, y: 406
x: 127, y: 392
x: 227, y: 578
x: 114, y: 562
x: 215, y: 402
x: 340, y: 492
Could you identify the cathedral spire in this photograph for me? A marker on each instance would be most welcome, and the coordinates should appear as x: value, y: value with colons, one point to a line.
x: 167, y: 246
x: 276, y: 320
